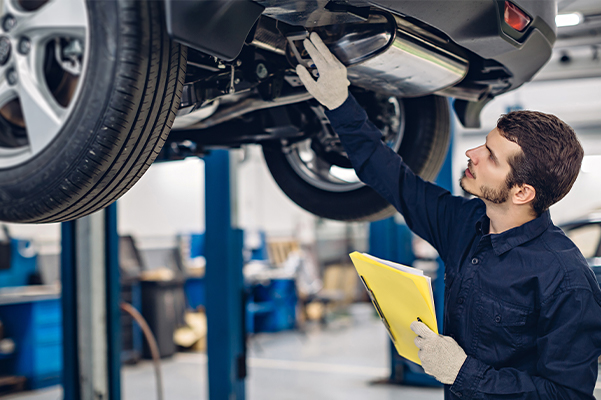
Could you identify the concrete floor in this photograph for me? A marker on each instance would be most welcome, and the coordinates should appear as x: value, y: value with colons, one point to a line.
x: 335, y: 363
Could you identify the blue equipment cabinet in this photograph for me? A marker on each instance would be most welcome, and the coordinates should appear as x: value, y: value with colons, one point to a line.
x: 271, y: 306
x: 35, y: 325
x: 23, y: 263
x: 194, y: 288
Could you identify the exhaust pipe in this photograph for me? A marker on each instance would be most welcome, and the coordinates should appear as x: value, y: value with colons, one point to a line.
x: 386, y: 54
x: 253, y: 103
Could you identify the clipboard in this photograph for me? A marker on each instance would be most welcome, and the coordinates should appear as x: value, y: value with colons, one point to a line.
x: 401, y: 295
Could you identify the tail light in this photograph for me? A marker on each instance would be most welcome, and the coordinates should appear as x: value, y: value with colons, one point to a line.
x: 515, y: 17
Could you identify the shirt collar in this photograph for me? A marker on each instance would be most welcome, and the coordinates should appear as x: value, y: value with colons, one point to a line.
x: 505, y: 241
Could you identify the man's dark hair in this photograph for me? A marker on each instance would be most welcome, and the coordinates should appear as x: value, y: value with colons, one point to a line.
x: 550, y: 159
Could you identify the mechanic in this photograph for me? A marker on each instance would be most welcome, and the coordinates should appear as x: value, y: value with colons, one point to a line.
x: 522, y: 307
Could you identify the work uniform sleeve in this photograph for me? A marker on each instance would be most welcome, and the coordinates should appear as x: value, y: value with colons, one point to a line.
x: 568, y: 343
x: 429, y: 210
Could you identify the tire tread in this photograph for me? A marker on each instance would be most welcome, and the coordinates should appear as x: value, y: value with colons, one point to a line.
x: 132, y: 134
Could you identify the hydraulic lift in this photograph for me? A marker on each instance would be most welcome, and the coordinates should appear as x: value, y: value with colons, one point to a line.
x: 91, y: 292
x: 91, y: 295
x: 90, y: 307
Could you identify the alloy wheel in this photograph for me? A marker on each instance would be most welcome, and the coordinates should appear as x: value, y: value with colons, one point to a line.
x: 42, y: 65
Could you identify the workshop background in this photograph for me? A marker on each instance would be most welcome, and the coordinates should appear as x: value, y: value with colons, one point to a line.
x: 311, y: 331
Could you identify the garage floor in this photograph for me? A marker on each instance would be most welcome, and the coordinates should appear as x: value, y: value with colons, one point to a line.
x: 338, y: 362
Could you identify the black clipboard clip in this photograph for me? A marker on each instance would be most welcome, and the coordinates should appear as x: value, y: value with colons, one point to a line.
x: 374, y: 301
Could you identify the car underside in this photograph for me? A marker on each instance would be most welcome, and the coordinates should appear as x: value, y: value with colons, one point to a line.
x: 394, y: 58
x: 182, y: 77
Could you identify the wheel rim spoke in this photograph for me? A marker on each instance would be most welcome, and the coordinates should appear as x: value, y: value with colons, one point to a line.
x: 55, y: 18
x: 8, y: 7
x: 329, y: 176
x: 7, y: 92
x: 322, y: 169
x: 317, y: 171
x: 43, y: 115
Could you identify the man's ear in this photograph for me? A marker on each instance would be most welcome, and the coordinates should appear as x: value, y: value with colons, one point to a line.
x: 523, y: 194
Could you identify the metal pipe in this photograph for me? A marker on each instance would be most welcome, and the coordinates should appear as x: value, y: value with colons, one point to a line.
x: 386, y: 54
x: 412, y: 66
x: 249, y: 105
x: 409, y: 63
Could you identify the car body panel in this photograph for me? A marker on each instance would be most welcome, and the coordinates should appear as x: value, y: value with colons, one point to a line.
x: 477, y: 26
x: 219, y: 28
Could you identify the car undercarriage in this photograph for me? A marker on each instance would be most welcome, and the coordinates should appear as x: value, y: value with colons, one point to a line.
x: 222, y: 74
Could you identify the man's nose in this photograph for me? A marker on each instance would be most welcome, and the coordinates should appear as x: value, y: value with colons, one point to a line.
x: 472, y: 154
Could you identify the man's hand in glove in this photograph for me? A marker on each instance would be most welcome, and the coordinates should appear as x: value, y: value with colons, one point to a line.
x: 440, y: 355
x: 331, y: 88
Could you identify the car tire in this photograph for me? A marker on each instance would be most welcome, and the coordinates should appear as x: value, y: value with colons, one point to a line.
x: 123, y: 113
x: 423, y: 147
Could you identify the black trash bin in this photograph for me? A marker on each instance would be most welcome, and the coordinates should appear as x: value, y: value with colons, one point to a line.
x: 163, y: 308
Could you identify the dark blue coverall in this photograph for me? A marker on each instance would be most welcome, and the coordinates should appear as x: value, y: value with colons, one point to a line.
x: 523, y: 304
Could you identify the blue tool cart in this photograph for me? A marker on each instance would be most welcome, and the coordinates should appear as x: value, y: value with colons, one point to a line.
x: 32, y: 318
x: 271, y: 306
x: 18, y: 264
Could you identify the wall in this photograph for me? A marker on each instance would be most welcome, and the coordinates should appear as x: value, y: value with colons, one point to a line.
x: 168, y: 199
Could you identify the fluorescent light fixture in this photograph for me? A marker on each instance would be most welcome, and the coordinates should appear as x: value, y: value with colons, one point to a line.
x: 570, y: 19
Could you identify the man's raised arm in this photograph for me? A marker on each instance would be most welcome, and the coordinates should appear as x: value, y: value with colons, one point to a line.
x: 429, y: 210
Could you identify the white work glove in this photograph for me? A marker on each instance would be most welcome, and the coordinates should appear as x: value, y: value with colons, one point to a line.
x: 440, y: 355
x: 331, y: 88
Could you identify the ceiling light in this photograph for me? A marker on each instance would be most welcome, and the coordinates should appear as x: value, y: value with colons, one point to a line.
x: 570, y: 19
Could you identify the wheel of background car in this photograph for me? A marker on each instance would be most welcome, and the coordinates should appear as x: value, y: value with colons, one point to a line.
x: 317, y: 176
x: 88, y: 93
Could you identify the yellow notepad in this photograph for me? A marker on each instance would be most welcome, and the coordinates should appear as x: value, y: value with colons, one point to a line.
x: 401, y: 295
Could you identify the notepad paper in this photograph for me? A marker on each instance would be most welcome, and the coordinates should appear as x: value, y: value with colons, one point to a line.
x: 408, y: 269
x: 400, y: 294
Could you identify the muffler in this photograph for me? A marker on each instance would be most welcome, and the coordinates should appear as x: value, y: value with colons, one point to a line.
x: 412, y: 65
x: 386, y: 54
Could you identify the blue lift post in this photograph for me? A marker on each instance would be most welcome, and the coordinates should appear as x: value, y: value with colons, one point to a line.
x: 71, y: 382
x: 72, y: 261
x: 226, y: 336
x: 113, y: 301
x: 392, y: 241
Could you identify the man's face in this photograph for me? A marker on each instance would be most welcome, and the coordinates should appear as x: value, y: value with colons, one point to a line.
x: 488, y: 167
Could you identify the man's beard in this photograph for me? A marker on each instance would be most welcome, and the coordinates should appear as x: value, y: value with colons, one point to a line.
x: 496, y: 196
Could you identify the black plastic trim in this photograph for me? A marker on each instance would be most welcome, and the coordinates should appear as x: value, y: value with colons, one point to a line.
x: 468, y: 112
x: 218, y: 28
